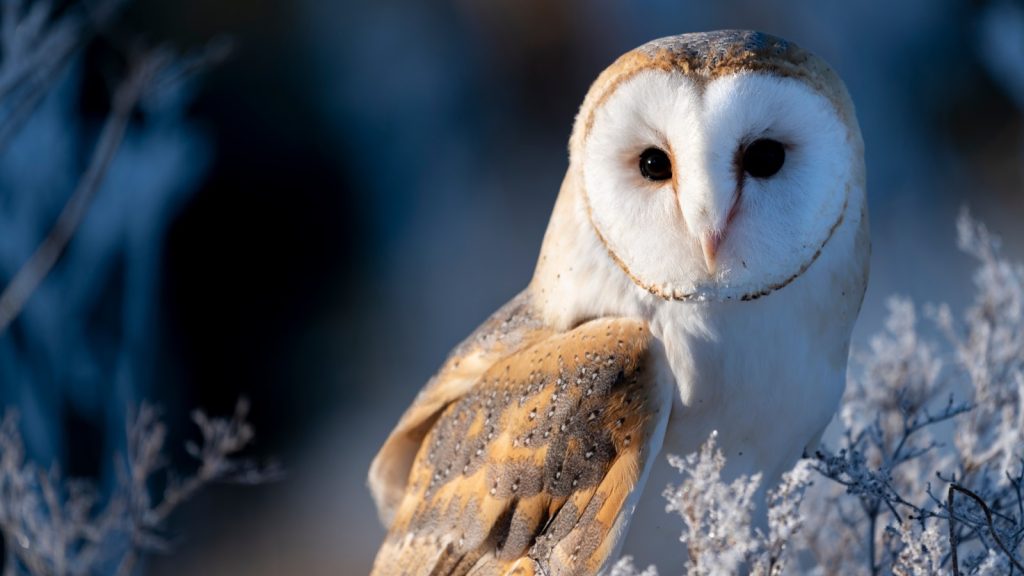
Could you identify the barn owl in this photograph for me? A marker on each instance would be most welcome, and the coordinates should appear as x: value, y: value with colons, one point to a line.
x: 702, y: 270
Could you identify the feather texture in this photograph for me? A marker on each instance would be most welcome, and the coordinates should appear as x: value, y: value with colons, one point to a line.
x: 512, y: 327
x: 532, y: 468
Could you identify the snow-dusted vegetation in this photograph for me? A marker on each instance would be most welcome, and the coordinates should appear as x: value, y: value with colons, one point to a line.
x: 927, y: 476
x: 54, y: 526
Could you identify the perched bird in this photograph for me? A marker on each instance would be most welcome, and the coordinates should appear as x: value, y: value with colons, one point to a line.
x: 702, y: 270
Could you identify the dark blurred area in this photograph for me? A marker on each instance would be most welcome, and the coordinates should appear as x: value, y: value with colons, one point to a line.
x: 314, y: 223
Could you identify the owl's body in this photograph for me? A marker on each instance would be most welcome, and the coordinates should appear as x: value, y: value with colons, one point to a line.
x: 702, y: 271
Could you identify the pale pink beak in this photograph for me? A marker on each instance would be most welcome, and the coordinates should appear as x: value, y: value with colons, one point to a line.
x: 709, y: 243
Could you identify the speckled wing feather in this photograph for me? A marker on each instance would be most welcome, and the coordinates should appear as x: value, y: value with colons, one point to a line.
x: 508, y: 330
x: 535, y: 468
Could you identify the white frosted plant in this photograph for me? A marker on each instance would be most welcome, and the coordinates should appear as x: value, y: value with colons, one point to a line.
x: 717, y: 515
x: 625, y: 567
x: 53, y: 526
x: 921, y: 550
x: 900, y: 400
x: 785, y: 521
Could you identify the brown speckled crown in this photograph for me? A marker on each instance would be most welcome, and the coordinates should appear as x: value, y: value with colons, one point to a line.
x: 704, y: 56
x: 707, y: 51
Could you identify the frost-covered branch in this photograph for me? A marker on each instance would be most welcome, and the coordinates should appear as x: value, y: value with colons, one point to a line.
x: 716, y: 514
x: 55, y: 527
x: 717, y: 518
x: 901, y: 397
x: 993, y: 532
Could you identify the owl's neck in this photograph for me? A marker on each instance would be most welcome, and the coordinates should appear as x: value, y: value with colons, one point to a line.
x: 575, y: 279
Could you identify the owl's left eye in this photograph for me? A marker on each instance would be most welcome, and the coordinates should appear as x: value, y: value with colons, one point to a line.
x: 655, y: 165
x: 764, y: 157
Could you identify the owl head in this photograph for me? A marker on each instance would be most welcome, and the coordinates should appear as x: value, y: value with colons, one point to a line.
x: 704, y: 167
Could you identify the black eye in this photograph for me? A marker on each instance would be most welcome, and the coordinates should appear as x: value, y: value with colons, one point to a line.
x: 655, y: 165
x: 763, y: 158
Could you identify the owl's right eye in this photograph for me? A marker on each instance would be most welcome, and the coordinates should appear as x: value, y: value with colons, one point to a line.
x: 655, y: 165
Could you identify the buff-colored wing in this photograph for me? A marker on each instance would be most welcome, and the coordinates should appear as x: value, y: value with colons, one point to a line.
x: 512, y: 327
x: 535, y: 469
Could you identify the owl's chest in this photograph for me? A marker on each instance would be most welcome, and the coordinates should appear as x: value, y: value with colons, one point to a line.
x: 762, y: 378
x: 765, y: 375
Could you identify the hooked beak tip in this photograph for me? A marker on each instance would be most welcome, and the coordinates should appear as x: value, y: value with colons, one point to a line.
x: 709, y: 243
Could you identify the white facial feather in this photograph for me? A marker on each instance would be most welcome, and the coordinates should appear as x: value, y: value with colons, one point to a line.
x: 778, y: 223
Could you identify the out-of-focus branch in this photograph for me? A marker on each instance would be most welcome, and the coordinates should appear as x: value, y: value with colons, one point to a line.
x: 37, y: 48
x: 33, y: 45
x: 151, y: 72
x: 31, y: 274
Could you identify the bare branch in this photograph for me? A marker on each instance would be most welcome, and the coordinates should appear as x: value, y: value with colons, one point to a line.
x: 988, y: 517
x: 151, y: 72
x: 28, y: 278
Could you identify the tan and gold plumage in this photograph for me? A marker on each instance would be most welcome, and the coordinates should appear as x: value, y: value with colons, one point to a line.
x: 719, y: 297
x: 528, y: 470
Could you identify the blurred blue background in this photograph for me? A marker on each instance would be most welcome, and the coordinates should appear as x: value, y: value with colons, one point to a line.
x: 315, y: 223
